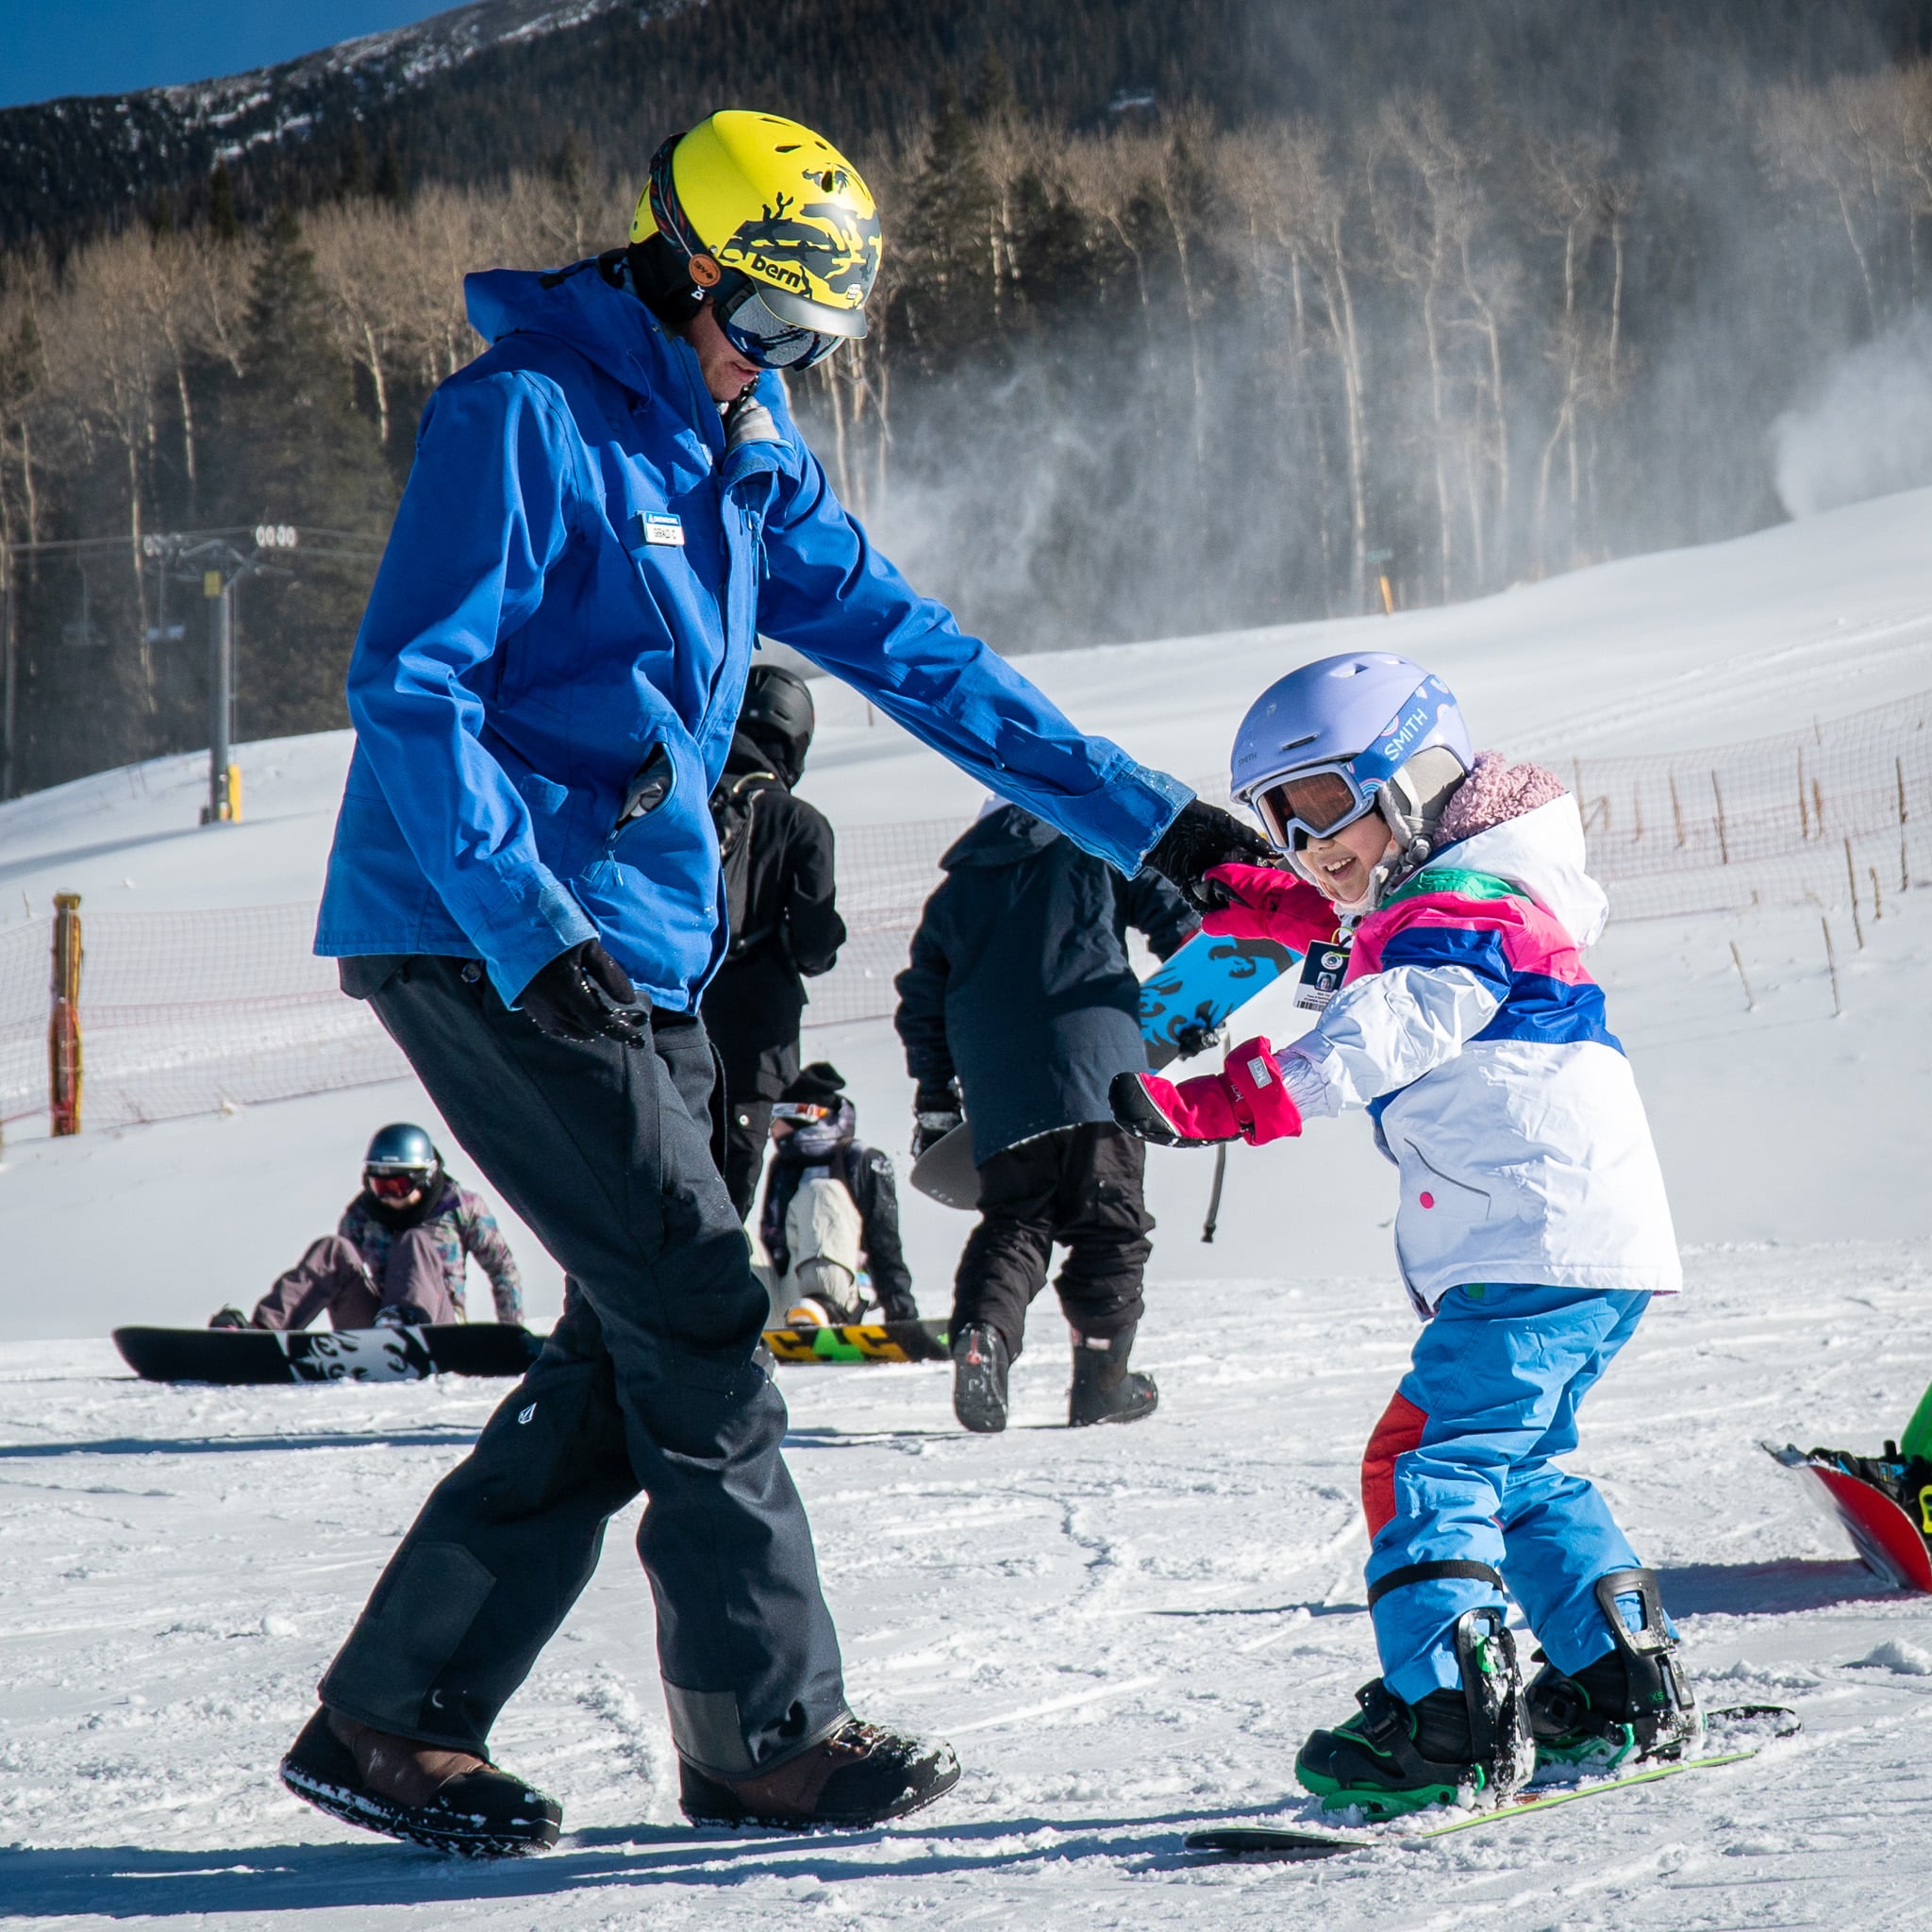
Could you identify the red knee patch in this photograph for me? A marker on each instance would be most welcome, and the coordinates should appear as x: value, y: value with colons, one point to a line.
x: 1399, y: 1431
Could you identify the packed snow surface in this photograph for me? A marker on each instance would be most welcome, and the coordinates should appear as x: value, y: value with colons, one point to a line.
x: 1126, y: 1632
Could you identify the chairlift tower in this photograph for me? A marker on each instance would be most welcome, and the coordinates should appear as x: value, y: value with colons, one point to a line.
x: 222, y: 566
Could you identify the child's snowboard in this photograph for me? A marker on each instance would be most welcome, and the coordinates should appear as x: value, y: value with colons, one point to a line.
x: 1738, y: 1734
x: 1198, y: 987
x: 244, y: 1357
x: 871, y: 1341
x: 1894, y: 1547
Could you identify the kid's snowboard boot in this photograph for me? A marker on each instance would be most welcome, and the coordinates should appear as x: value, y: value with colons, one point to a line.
x: 833, y: 1298
x: 980, y: 1365
x: 1104, y: 1389
x: 445, y: 1799
x: 858, y: 1776
x: 1633, y: 1706
x: 1470, y: 1745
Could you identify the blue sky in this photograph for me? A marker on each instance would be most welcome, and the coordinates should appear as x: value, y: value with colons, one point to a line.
x: 51, y: 47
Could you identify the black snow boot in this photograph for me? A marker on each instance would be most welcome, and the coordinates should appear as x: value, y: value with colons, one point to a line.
x: 395, y: 1785
x: 980, y: 1365
x: 1632, y: 1706
x: 1469, y: 1745
x: 1104, y: 1389
x: 860, y: 1775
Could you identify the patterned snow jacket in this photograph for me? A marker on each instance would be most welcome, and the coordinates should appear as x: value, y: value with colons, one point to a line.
x: 462, y: 1226
x: 1470, y: 1030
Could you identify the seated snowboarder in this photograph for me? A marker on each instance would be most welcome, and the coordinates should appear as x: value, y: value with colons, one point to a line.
x: 1021, y: 996
x: 831, y: 1210
x: 399, y: 1253
x: 1531, y: 1233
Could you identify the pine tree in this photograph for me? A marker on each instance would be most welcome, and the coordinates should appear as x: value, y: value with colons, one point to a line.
x: 221, y: 215
x: 293, y: 449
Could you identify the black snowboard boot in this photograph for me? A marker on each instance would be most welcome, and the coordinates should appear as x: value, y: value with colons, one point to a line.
x: 444, y: 1799
x: 858, y: 1776
x: 1633, y: 1706
x: 1465, y: 1747
x: 980, y: 1364
x: 1104, y: 1389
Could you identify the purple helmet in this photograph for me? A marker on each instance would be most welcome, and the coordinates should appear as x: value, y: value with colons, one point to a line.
x: 1327, y: 743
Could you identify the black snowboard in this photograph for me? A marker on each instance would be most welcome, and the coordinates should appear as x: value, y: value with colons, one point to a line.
x: 238, y: 1356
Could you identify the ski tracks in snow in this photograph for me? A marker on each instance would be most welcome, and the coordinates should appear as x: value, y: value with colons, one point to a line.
x: 1128, y: 1631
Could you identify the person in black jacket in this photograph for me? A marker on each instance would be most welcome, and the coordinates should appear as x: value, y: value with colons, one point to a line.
x: 785, y: 926
x: 831, y: 1209
x: 1020, y: 1002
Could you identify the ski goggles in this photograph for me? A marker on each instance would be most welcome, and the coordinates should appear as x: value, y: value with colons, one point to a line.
x: 761, y: 335
x: 395, y: 1183
x: 1318, y: 801
x: 802, y: 1110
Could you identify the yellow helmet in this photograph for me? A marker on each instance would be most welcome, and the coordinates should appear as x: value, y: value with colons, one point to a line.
x: 776, y: 222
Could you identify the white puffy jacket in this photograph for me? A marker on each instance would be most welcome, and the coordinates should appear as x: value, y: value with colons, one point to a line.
x: 1472, y: 1033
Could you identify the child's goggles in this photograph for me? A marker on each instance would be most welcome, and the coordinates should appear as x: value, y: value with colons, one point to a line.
x: 800, y: 1110
x: 1317, y: 801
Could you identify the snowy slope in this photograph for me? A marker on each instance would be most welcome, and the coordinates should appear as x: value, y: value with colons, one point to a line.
x: 1126, y: 1632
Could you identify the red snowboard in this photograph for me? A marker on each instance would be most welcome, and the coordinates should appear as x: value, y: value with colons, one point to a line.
x: 1886, y: 1539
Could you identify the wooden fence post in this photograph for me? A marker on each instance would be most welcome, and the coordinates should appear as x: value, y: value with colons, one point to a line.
x: 64, y: 1020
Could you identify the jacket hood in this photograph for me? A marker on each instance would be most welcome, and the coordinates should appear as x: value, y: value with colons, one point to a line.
x: 1541, y: 851
x: 589, y: 306
x: 1006, y: 837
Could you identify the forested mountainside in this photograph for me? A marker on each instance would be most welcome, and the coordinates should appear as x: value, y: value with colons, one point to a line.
x: 1194, y: 315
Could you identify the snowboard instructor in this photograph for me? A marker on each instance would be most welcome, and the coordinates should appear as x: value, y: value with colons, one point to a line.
x: 607, y: 507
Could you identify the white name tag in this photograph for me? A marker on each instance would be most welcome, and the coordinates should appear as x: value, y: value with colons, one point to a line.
x: 659, y: 526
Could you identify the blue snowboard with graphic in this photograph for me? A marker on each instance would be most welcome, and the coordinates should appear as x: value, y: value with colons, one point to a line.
x: 1187, y: 1000
x: 1197, y: 988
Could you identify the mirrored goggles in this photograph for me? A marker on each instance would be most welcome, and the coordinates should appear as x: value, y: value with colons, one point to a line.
x: 1315, y: 804
x: 800, y: 1110
x: 761, y: 335
x: 1319, y: 800
x: 394, y: 1183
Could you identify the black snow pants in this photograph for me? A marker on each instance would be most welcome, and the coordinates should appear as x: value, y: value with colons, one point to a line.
x: 1080, y: 1187
x: 648, y: 1382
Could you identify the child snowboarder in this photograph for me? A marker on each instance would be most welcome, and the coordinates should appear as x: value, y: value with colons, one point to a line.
x: 1532, y: 1230
x: 831, y: 1210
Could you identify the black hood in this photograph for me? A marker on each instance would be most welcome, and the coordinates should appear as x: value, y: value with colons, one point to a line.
x: 749, y: 754
x: 1007, y: 837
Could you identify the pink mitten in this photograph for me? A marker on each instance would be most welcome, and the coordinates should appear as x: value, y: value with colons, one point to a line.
x: 1270, y: 905
x: 1262, y: 1102
x: 1247, y: 1102
x: 1189, y: 1113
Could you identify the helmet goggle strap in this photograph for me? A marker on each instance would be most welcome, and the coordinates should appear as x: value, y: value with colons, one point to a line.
x: 1317, y: 801
x: 396, y: 1184
x: 800, y: 1110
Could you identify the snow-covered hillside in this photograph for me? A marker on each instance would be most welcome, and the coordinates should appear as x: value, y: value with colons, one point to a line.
x: 1126, y: 1632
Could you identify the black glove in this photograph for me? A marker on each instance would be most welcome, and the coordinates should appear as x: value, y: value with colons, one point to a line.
x: 935, y: 1113
x: 1201, y: 836
x: 583, y: 994
x: 228, y: 1318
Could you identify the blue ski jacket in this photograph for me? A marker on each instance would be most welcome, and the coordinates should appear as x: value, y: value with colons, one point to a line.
x: 572, y: 591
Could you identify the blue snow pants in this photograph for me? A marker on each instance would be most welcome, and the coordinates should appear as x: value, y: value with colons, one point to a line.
x: 1461, y: 1468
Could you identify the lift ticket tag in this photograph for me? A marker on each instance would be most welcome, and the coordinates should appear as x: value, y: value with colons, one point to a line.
x: 1324, y: 969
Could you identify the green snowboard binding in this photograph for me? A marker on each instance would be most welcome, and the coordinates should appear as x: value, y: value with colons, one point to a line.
x: 1470, y: 1745
x: 1632, y: 1707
